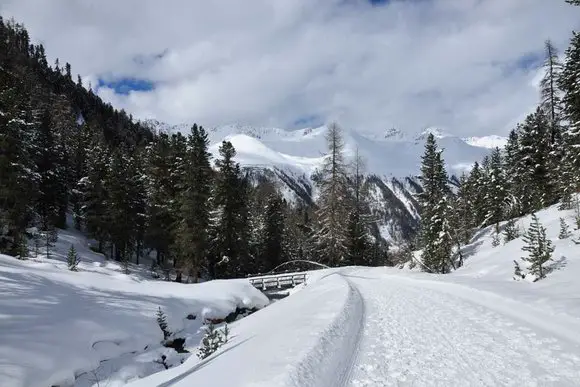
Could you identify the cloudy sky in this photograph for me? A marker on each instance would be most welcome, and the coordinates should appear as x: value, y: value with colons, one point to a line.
x: 467, y: 66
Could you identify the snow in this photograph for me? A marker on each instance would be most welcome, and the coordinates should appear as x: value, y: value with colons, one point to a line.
x: 351, y: 326
x: 391, y: 327
x: 394, y: 154
x: 493, y: 141
x: 57, y: 324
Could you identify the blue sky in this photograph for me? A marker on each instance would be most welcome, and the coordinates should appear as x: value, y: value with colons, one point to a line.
x: 466, y: 66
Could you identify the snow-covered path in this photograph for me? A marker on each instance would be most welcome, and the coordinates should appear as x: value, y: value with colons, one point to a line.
x: 418, y: 335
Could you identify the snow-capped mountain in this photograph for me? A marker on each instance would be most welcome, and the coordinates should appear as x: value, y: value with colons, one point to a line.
x: 493, y: 141
x: 291, y: 157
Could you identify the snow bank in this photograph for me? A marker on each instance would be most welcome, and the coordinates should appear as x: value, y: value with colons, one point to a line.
x: 56, y: 324
x: 298, y: 341
x: 492, y: 268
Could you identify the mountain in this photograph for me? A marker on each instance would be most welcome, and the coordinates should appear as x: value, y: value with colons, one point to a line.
x: 291, y: 157
x: 493, y: 141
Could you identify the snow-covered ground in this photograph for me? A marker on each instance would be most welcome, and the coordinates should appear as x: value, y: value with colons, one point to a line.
x: 345, y: 327
x: 386, y: 326
x: 97, y: 324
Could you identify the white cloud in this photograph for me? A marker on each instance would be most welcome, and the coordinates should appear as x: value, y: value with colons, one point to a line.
x: 410, y: 64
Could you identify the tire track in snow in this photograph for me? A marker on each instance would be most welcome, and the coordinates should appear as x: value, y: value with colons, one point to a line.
x: 417, y: 336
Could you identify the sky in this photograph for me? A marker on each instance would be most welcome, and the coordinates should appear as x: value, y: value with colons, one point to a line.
x: 469, y: 67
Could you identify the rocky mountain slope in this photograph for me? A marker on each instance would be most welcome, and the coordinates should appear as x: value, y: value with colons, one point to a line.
x: 290, y: 158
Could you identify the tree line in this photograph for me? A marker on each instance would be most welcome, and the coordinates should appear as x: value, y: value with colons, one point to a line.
x: 538, y: 167
x: 68, y: 159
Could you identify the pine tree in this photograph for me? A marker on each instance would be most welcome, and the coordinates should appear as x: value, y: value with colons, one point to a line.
x: 210, y: 343
x: 474, y: 196
x: 17, y: 190
x: 331, y: 237
x: 538, y: 246
x: 271, y: 236
x: 435, y: 226
x: 51, y: 183
x: 72, y: 259
x: 358, y: 243
x: 533, y: 166
x: 515, y: 183
x: 191, y: 234
x: 162, y: 322
x: 570, y: 86
x: 229, y: 218
x: 564, y: 229
x: 495, y: 193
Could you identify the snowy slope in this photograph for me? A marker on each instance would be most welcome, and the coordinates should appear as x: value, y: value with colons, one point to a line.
x: 57, y: 325
x: 490, y: 142
x: 393, y: 327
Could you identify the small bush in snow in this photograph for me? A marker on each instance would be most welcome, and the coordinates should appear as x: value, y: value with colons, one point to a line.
x: 511, y: 231
x: 212, y: 340
x: 539, y: 247
x: 162, y: 322
x: 72, y: 259
x: 518, y: 274
x: 564, y: 229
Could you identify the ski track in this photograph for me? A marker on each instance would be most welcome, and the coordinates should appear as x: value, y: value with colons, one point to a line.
x: 421, y: 337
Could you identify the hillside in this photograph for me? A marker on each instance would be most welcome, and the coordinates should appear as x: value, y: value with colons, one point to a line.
x: 291, y: 158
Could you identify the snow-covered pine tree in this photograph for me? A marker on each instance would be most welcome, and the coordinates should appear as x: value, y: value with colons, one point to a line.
x: 515, y: 182
x: 539, y: 247
x: 495, y: 192
x: 191, y: 234
x: 570, y: 86
x: 17, y: 190
x: 72, y: 259
x: 94, y: 195
x: 229, y: 232
x: 533, y: 165
x: 564, y: 229
x: 161, y: 194
x: 474, y: 194
x: 210, y: 342
x: 435, y: 234
x: 51, y: 180
x: 271, y: 236
x: 162, y: 322
x: 463, y: 214
x: 331, y: 237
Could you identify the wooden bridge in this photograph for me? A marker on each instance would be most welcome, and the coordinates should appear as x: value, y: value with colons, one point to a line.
x: 278, y: 281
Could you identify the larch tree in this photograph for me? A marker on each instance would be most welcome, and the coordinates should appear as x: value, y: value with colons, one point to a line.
x: 333, y: 204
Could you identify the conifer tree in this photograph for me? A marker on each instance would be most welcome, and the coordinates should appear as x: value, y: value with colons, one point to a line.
x: 72, y: 259
x: 564, y: 229
x: 191, y: 234
x: 271, y: 238
x: 435, y: 226
x: 358, y: 243
x: 229, y: 218
x: 50, y: 169
x: 331, y: 237
x: 538, y: 246
x: 570, y: 86
x: 495, y: 193
x: 534, y: 163
x: 17, y: 190
x: 162, y: 322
